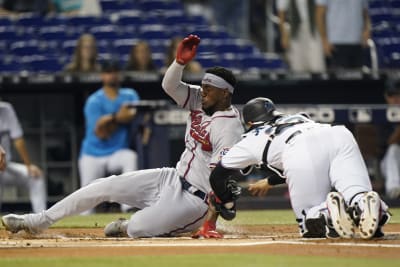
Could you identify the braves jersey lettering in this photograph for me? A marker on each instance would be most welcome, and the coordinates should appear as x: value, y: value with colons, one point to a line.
x: 198, y: 130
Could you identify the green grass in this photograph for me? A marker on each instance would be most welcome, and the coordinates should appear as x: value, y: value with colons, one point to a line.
x: 260, y: 217
x: 220, y: 260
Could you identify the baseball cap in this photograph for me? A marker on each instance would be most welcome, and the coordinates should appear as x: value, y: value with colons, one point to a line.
x: 110, y: 66
x: 392, y: 87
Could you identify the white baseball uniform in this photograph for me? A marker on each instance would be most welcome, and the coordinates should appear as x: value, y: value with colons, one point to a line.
x: 313, y: 157
x: 166, y: 207
x: 17, y: 173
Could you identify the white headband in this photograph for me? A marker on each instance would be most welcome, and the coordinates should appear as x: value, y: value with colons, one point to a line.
x: 214, y: 80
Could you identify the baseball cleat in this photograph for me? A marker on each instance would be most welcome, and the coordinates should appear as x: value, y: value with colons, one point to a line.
x: 316, y: 228
x: 14, y: 223
x: 116, y: 228
x: 369, y: 218
x: 319, y: 228
x: 341, y: 220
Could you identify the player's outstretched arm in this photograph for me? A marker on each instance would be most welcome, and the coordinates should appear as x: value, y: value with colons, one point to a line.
x: 260, y: 188
x: 171, y: 82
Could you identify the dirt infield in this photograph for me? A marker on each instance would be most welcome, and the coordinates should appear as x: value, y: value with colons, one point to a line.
x: 271, y: 239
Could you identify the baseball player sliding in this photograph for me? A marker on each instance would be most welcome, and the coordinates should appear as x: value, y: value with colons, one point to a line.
x: 311, y: 158
x: 172, y: 200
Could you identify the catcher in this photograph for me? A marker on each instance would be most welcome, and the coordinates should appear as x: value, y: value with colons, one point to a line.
x: 311, y: 158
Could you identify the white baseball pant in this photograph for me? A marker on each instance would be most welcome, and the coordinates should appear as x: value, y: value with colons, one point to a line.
x: 17, y: 174
x: 91, y: 167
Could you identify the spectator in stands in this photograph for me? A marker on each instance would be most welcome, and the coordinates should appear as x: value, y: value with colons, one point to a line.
x: 192, y: 67
x: 76, y: 7
x: 109, y: 113
x: 390, y: 165
x: 140, y: 58
x: 85, y: 55
x: 237, y: 22
x: 302, y: 42
x: 344, y: 27
x: 16, y: 7
x: 26, y: 174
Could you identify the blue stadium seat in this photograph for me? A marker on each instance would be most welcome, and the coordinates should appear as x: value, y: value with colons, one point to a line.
x: 106, y: 32
x: 158, y: 62
x: 109, y: 6
x: 206, y: 48
x: 11, y: 67
x: 381, y: 17
x: 104, y: 47
x: 57, y: 33
x: 395, y: 60
x: 152, y: 5
x: 82, y: 23
x: 154, y: 31
x: 68, y: 46
x: 373, y: 4
x: 124, y: 46
x: 228, y: 48
x: 106, y: 56
x: 159, y: 46
x: 207, y: 62
x: 130, y: 20
x: 56, y: 20
x: 382, y: 29
x: 229, y: 62
x: 8, y: 33
x: 26, y: 48
x: 30, y: 20
x: 262, y: 63
x: 394, y: 3
x: 176, y: 19
x: 4, y: 21
x: 48, y: 65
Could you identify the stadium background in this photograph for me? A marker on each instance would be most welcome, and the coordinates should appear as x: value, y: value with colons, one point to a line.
x: 49, y: 102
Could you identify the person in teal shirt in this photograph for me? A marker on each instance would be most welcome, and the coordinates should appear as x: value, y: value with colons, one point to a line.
x: 108, y: 112
x: 67, y: 6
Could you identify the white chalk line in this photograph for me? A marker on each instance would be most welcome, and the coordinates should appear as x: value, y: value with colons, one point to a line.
x: 177, y: 242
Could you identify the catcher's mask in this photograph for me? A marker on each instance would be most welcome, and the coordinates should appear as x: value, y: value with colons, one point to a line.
x: 259, y: 111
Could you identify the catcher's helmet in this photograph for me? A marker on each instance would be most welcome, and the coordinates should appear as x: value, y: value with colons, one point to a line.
x: 259, y: 111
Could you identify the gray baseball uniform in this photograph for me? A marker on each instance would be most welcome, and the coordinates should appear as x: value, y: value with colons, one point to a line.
x: 172, y: 200
x: 17, y: 173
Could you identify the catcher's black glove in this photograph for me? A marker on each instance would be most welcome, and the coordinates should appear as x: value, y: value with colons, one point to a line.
x: 228, y: 213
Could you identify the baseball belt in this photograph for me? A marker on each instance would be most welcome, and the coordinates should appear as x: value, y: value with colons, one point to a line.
x: 192, y: 189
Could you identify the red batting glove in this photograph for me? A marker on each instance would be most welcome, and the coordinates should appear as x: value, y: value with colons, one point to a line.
x: 208, y: 230
x: 186, y: 50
